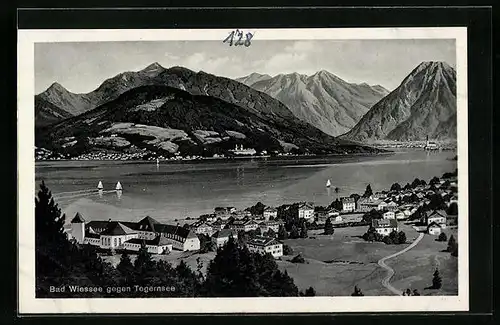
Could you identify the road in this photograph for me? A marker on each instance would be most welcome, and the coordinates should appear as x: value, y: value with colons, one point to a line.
x: 390, y: 271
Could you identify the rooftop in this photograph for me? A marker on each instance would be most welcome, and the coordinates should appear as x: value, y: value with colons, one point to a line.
x: 263, y: 241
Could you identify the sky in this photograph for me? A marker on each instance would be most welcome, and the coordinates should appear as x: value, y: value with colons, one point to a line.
x: 82, y: 67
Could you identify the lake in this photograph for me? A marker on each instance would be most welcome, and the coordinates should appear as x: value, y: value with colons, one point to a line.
x: 176, y: 190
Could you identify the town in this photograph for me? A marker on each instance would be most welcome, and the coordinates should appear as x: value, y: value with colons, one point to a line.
x: 426, y: 208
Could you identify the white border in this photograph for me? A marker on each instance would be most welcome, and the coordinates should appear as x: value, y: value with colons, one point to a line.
x: 26, y: 184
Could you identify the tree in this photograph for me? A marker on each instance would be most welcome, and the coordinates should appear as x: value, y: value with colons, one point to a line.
x: 188, y: 284
x: 53, y: 252
x: 49, y: 222
x: 396, y: 187
x: 452, y: 209
x: 298, y: 259
x: 436, y: 280
x: 368, y: 191
x: 415, y: 292
x: 125, y: 267
x: 329, y: 227
x: 452, y: 244
x: 287, y: 250
x: 303, y: 230
x: 434, y: 181
x: 357, y: 292
x: 401, y: 238
x: 355, y: 196
x: 282, y: 234
x: 235, y: 272
x: 144, y: 266
x: 442, y: 237
x: 310, y: 292
x: 294, y: 232
x: 257, y: 209
x: 416, y: 182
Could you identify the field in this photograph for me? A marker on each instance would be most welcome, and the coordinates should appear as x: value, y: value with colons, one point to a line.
x: 414, y: 268
x: 336, y: 263
x: 355, y: 263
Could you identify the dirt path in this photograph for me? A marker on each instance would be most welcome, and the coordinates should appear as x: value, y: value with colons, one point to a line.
x: 390, y: 271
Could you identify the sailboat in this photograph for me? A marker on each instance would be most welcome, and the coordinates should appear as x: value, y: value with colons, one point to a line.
x: 328, y: 183
x: 119, y: 186
x: 157, y: 161
x: 99, y: 186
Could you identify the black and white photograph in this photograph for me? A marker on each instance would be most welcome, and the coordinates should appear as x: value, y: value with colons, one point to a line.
x: 289, y: 164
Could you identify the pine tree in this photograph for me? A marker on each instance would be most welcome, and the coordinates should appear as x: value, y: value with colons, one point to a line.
x: 329, y: 227
x: 452, y: 244
x: 368, y: 191
x: 188, y: 283
x: 442, y: 237
x: 282, y: 234
x: 125, y: 267
x: 49, y: 223
x: 53, y: 252
x: 310, y: 292
x: 436, y: 280
x: 294, y: 232
x: 303, y: 230
x: 144, y: 266
x: 357, y: 292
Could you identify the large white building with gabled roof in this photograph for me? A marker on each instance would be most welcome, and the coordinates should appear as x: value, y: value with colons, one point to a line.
x: 156, y: 236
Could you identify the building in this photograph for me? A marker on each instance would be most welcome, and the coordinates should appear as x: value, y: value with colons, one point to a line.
x: 322, y: 216
x: 244, y: 224
x: 224, y: 212
x: 274, y: 225
x: 114, y: 234
x: 159, y: 245
x: 306, y: 211
x: 270, y: 213
x: 401, y: 215
x: 239, y: 151
x: 436, y: 216
x: 391, y: 206
x: 348, y: 204
x: 385, y: 226
x: 430, y: 145
x: 263, y: 245
x: 221, y: 237
x: 202, y: 228
x: 218, y: 224
x: 434, y: 229
x: 389, y: 215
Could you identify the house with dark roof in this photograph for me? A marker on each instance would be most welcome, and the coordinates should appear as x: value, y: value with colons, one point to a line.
x: 306, y: 211
x: 437, y: 216
x: 348, y: 204
x: 434, y: 229
x: 221, y: 237
x: 114, y: 234
x: 265, y: 245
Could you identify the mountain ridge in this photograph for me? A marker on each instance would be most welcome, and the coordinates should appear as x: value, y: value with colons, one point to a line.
x: 422, y: 105
x: 167, y: 120
x: 322, y: 99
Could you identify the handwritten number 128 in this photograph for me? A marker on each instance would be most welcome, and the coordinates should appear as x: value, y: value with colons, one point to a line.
x: 236, y: 38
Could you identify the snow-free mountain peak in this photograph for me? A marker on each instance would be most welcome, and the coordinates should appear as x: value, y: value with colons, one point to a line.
x: 322, y: 99
x: 424, y: 104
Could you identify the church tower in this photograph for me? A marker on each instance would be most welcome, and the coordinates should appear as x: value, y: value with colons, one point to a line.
x: 78, y: 228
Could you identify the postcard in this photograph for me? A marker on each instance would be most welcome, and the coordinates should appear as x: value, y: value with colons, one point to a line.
x: 243, y: 170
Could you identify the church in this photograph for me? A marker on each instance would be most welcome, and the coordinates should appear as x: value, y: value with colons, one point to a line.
x: 159, y: 238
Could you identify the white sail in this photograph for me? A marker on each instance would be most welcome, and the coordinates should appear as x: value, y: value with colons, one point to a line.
x: 118, y: 186
x: 328, y: 183
x: 99, y: 186
x: 157, y: 161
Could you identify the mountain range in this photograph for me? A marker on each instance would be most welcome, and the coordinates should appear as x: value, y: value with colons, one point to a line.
x: 322, y: 99
x: 423, y: 105
x: 177, y: 110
